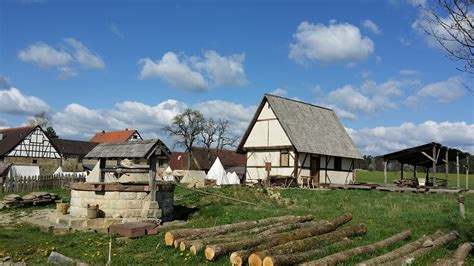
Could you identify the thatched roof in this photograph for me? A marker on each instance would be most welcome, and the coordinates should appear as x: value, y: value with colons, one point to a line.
x: 129, y: 149
x: 310, y: 128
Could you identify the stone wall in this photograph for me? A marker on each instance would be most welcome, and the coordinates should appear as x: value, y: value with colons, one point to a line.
x: 47, y: 166
x: 71, y: 164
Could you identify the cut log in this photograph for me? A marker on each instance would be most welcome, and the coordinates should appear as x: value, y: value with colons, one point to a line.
x: 294, y: 246
x: 437, y: 243
x: 295, y: 258
x: 213, y: 251
x: 170, y: 236
x: 459, y: 256
x: 343, y: 256
x: 402, y: 251
x: 199, y: 244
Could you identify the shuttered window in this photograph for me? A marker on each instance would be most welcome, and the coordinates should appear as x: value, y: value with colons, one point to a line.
x: 284, y: 159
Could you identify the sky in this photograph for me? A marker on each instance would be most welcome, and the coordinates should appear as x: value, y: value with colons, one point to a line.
x: 111, y: 65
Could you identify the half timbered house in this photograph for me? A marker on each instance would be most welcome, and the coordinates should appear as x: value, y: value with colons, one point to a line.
x: 289, y: 138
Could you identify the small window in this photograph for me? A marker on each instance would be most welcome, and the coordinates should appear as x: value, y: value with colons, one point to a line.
x: 35, y: 161
x: 284, y: 159
x: 337, y: 163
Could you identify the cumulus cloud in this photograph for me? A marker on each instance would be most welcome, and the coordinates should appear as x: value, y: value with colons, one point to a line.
x: 441, y: 92
x: 78, y: 121
x: 196, y: 73
x: 337, y: 42
x: 279, y: 92
x: 370, y: 25
x: 12, y: 101
x: 381, y: 140
x: 67, y: 60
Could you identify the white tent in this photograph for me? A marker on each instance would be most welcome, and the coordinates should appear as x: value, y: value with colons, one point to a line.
x: 60, y: 171
x: 194, y: 178
x: 94, y: 176
x: 217, y: 173
x: 24, y: 170
x: 233, y: 178
x: 168, y: 174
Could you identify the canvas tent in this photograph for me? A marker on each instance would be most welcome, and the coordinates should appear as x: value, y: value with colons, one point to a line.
x: 94, y: 176
x: 218, y: 173
x: 60, y: 171
x: 168, y: 174
x: 233, y: 178
x: 194, y: 178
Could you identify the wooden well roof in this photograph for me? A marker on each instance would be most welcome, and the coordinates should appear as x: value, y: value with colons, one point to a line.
x: 139, y: 149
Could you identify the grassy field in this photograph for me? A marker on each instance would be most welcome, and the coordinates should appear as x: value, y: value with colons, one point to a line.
x: 384, y: 214
x: 377, y: 177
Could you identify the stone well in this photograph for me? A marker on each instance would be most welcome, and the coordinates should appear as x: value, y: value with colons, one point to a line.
x: 117, y: 200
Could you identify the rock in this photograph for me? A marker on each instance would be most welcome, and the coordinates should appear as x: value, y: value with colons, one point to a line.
x: 428, y: 243
x: 59, y: 259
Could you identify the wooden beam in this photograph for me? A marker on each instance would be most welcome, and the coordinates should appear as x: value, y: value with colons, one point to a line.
x: 401, y: 170
x: 304, y: 161
x: 296, y: 165
x: 102, y: 162
x: 385, y: 172
x: 447, y: 167
x: 429, y: 157
x: 434, y: 166
x: 151, y: 178
x: 467, y: 172
x: 457, y: 171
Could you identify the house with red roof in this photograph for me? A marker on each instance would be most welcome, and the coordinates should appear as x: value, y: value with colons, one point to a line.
x: 116, y: 136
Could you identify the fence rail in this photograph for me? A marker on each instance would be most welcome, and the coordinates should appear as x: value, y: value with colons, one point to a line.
x: 35, y: 183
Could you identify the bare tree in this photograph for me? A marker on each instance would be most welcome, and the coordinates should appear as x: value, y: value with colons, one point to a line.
x: 186, y: 128
x: 208, y: 135
x: 454, y: 33
x: 224, y: 138
x: 40, y: 119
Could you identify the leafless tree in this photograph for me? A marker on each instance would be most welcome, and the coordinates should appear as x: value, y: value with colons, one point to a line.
x: 208, y: 135
x: 186, y: 127
x: 451, y: 24
x: 224, y: 138
x: 40, y: 119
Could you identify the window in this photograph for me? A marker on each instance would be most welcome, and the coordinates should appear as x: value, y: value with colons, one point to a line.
x: 284, y: 159
x: 337, y: 163
x: 35, y: 161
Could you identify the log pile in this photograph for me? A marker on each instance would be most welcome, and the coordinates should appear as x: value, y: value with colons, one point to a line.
x: 33, y: 198
x: 291, y: 240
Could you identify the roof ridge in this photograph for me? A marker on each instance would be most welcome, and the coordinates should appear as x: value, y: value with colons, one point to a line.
x: 298, y: 101
x: 17, y: 128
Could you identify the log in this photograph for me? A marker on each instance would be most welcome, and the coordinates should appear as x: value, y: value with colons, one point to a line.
x: 437, y: 243
x: 213, y: 251
x: 199, y: 244
x: 295, y: 246
x: 293, y: 259
x: 400, y: 252
x: 170, y: 236
x: 343, y: 256
x: 459, y: 256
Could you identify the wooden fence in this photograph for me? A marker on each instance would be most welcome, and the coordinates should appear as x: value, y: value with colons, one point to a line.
x: 37, y: 183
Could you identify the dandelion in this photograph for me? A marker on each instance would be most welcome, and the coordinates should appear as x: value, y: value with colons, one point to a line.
x: 181, y: 254
x: 188, y: 254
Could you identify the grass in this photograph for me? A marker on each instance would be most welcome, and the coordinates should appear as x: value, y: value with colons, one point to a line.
x: 384, y: 214
x: 378, y: 177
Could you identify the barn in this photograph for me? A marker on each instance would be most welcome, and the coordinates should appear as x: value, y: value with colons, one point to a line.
x: 29, y: 146
x: 293, y: 139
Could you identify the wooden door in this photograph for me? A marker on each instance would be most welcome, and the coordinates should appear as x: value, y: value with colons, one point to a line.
x: 315, y: 167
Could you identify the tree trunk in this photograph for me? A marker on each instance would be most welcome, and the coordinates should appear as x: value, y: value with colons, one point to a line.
x: 170, y: 236
x: 400, y: 252
x: 295, y: 258
x: 198, y: 244
x: 459, y: 256
x: 437, y: 243
x: 343, y: 256
x: 299, y: 245
x: 213, y: 251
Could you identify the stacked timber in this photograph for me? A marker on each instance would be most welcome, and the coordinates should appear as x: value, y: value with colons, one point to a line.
x: 34, y: 198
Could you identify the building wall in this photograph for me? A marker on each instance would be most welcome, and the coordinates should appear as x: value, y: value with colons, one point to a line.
x: 47, y: 165
x: 72, y: 163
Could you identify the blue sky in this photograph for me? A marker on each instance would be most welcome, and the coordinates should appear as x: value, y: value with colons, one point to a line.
x: 96, y: 65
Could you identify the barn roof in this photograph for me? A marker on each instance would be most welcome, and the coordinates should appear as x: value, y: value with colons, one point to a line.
x: 128, y: 149
x: 73, y: 147
x: 310, y: 128
x: 417, y: 155
x: 113, y: 136
x: 12, y: 137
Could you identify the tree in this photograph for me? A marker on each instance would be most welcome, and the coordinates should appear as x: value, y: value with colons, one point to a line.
x: 224, y: 138
x: 208, y: 135
x: 51, y: 133
x: 454, y: 33
x: 40, y: 119
x: 186, y: 127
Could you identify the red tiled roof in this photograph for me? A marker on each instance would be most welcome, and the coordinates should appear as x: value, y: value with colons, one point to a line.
x: 12, y: 137
x: 113, y: 136
x: 229, y: 159
x: 180, y: 164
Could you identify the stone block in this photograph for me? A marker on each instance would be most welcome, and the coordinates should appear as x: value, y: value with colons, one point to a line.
x: 128, y: 195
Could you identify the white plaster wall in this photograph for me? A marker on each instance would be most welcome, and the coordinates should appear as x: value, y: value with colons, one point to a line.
x: 266, y: 113
x: 259, y: 158
x: 337, y: 177
x: 258, y: 137
x: 254, y: 174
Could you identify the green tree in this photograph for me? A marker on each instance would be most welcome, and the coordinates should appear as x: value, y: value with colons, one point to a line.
x: 51, y: 133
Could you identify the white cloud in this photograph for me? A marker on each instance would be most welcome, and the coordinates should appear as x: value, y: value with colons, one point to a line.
x: 408, y: 72
x: 279, y: 92
x: 44, y: 55
x: 405, y: 42
x: 115, y: 30
x: 441, y: 92
x: 370, y: 25
x: 337, y: 42
x: 381, y: 140
x: 12, y: 101
x: 196, y: 73
x: 66, y: 61
x: 173, y: 71
x: 84, y: 56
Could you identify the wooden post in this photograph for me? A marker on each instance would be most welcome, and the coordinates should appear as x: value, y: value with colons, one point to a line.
x: 434, y: 165
x: 401, y: 170
x: 102, y: 162
x: 457, y: 171
x: 151, y: 178
x: 296, y: 165
x: 414, y: 172
x: 467, y: 172
x: 446, y: 160
x: 385, y: 171
x: 462, y: 208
